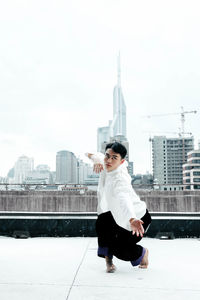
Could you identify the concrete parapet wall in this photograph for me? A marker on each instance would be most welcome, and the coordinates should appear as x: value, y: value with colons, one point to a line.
x: 171, y: 201
x: 67, y: 201
x: 48, y: 201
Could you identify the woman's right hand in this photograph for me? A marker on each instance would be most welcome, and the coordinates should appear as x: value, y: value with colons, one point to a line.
x: 137, y: 227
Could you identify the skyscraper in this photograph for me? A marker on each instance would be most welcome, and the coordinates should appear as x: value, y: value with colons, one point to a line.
x: 66, y: 167
x: 116, y: 131
x: 103, y: 136
x: 118, y: 126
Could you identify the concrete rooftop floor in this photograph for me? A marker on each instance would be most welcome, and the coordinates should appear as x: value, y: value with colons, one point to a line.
x: 68, y: 268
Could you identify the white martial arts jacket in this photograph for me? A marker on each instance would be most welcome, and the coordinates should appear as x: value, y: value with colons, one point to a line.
x: 115, y: 193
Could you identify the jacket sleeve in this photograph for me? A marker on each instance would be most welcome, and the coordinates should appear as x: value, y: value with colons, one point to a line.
x: 122, y: 207
x: 97, y: 158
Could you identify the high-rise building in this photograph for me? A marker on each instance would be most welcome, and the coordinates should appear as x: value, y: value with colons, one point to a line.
x: 118, y: 126
x: 40, y: 175
x: 103, y: 136
x: 116, y: 131
x: 23, y: 166
x: 66, y: 167
x: 130, y: 168
x: 84, y: 170
x: 169, y: 155
x: 191, y: 171
x: 43, y: 168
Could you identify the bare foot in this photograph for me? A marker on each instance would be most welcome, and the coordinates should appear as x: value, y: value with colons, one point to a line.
x: 144, y: 263
x: 110, y: 267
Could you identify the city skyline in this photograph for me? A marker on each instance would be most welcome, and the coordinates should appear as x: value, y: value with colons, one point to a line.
x: 69, y: 170
x: 57, y: 78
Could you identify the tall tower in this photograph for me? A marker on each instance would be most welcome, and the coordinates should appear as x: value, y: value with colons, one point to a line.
x: 66, y: 167
x: 118, y: 126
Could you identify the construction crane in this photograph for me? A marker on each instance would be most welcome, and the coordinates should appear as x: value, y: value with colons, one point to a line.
x: 166, y: 132
x: 182, y: 113
x: 182, y: 131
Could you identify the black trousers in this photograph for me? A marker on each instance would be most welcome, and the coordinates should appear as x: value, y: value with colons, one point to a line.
x: 117, y: 241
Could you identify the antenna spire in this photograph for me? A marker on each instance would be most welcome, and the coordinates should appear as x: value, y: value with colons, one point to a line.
x: 118, y: 70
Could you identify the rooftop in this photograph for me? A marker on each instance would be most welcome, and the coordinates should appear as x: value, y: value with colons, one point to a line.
x: 68, y: 268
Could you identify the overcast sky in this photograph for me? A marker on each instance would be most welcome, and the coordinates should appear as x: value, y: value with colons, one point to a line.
x: 58, y: 68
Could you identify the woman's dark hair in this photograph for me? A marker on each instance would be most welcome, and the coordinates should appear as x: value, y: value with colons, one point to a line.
x: 118, y: 148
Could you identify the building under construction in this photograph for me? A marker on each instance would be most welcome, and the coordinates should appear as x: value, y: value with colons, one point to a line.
x: 168, y: 157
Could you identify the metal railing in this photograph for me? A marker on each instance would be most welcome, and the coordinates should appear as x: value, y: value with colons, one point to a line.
x: 84, y: 187
x: 42, y: 186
